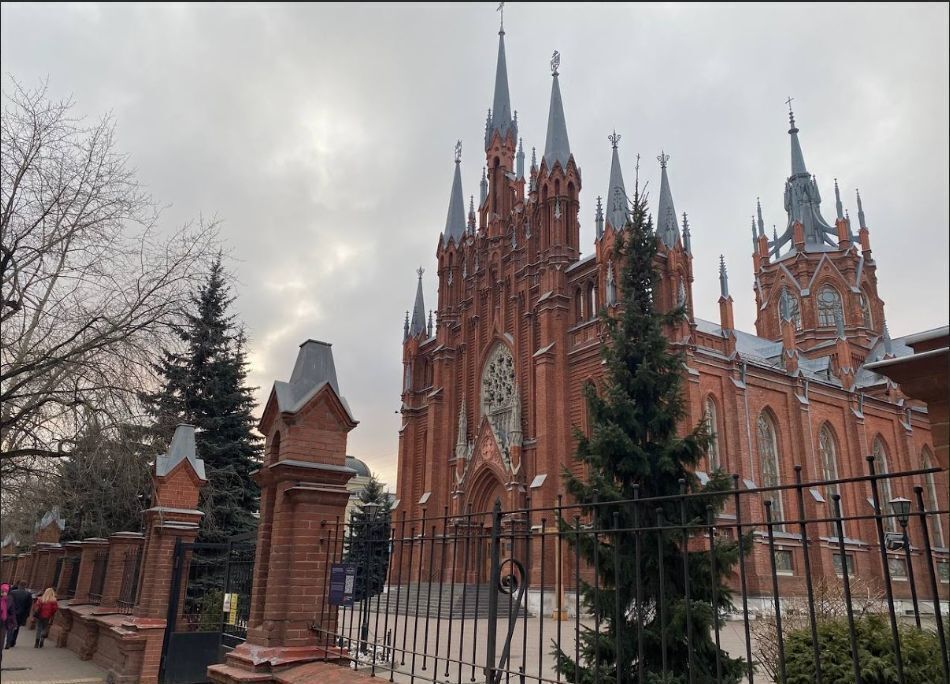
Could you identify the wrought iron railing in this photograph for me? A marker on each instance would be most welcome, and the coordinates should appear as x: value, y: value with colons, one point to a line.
x: 490, y: 596
x: 131, y: 565
x: 71, y: 565
x: 100, y: 562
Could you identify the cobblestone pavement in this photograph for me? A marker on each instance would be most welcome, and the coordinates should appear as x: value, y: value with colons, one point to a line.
x: 24, y: 664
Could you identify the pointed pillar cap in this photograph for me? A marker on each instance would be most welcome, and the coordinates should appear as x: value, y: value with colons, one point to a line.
x: 181, y: 449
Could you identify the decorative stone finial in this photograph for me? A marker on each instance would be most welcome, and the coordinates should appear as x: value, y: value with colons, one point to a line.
x: 555, y: 62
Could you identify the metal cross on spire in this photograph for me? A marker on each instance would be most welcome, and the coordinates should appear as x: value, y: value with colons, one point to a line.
x: 791, y: 115
x: 663, y: 158
x: 458, y: 151
x: 501, y: 8
x: 420, y: 271
x: 614, y: 138
x: 555, y: 62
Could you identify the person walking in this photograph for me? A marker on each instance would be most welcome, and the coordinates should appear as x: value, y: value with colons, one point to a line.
x: 7, y: 614
x: 43, y: 611
x: 22, y: 600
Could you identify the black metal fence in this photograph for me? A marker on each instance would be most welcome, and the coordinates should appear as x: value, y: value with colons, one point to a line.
x: 100, y: 562
x: 131, y: 565
x: 815, y: 576
x: 71, y: 566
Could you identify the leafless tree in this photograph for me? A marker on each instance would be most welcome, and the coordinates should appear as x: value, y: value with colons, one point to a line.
x: 89, y: 285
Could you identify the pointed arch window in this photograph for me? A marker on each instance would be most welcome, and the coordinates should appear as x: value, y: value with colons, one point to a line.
x: 767, y: 442
x: 828, y: 453
x: 867, y: 321
x: 789, y: 309
x: 578, y: 305
x: 829, y: 307
x: 711, y: 416
x: 879, y: 451
x: 592, y: 300
x: 930, y: 498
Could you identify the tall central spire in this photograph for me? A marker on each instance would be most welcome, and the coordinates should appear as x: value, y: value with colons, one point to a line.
x: 798, y: 159
x: 557, y: 148
x: 455, y: 220
x: 501, y: 119
x: 616, y: 192
x: 666, y: 221
x: 418, y: 309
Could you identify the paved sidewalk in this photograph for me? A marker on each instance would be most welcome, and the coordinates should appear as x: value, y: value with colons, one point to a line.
x: 24, y: 664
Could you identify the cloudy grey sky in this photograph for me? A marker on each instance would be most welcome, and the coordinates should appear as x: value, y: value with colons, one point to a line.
x: 322, y: 136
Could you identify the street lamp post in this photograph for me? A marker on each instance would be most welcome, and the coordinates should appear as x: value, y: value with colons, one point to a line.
x: 901, y: 508
x: 371, y: 509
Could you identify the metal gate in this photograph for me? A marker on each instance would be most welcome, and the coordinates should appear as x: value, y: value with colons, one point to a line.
x: 208, y: 608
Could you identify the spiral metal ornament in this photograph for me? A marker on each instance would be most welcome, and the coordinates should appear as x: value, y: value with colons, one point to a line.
x: 513, y: 579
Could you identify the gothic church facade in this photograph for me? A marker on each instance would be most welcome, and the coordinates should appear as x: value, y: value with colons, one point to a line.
x: 492, y: 392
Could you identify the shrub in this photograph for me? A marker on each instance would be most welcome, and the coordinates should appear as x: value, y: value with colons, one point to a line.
x: 920, y: 651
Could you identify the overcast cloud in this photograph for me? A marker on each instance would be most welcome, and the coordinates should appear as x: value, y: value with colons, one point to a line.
x: 322, y: 136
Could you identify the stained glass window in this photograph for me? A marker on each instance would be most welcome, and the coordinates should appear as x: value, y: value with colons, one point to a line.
x: 930, y: 499
x: 712, y: 420
x: 879, y: 451
x: 865, y: 309
x: 769, y: 460
x: 829, y: 307
x: 828, y: 452
x: 789, y: 309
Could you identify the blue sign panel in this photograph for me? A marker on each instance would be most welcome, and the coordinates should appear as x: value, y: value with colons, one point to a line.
x: 342, y: 584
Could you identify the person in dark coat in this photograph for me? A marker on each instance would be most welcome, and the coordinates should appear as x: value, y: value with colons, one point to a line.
x: 22, y: 601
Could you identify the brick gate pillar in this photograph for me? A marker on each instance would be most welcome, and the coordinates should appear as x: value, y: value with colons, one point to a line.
x: 303, y: 482
x: 122, y: 548
x: 87, y: 560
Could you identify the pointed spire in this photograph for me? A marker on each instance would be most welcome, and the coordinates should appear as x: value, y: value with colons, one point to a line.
x: 405, y: 328
x: 557, y: 148
x: 723, y: 278
x: 758, y: 211
x: 838, y: 208
x: 754, y: 236
x: 429, y: 327
x: 520, y: 159
x: 668, y: 229
x: 861, y: 222
x: 471, y: 214
x: 798, y: 159
x: 500, y: 119
x: 418, y: 309
x: 616, y: 192
x: 687, y: 236
x: 534, y: 159
x: 455, y: 219
x: 483, y: 187
x: 599, y: 218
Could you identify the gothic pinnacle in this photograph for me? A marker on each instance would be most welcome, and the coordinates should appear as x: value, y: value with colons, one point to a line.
x: 838, y: 207
x: 557, y: 148
x: 723, y: 278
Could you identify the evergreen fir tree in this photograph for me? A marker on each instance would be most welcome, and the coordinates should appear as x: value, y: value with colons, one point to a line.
x: 367, y: 544
x: 205, y: 385
x: 634, y: 450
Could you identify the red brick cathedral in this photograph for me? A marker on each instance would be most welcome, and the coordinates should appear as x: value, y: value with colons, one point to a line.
x: 492, y: 392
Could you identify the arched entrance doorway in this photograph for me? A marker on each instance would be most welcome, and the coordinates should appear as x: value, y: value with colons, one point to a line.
x: 486, y: 490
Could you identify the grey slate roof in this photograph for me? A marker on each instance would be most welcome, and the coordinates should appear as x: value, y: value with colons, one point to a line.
x: 557, y: 148
x: 667, y: 226
x: 455, y: 219
x: 763, y: 352
x: 181, y: 449
x: 313, y: 369
x: 616, y: 194
x: 362, y: 470
x: 501, y: 119
x: 51, y: 516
